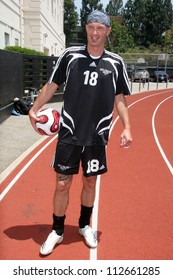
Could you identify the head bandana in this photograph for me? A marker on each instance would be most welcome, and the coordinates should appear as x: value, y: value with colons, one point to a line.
x: 100, y: 17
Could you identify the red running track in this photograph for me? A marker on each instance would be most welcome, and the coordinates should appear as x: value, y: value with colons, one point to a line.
x: 133, y: 210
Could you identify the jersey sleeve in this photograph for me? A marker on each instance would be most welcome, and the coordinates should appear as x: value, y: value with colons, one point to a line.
x: 122, y: 85
x: 58, y: 75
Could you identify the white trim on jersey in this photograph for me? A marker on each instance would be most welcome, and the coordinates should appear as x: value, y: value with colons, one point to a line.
x: 71, y: 120
x: 116, y: 56
x: 60, y: 58
x: 69, y: 117
x: 104, y: 128
x: 67, y: 126
x: 104, y: 119
x: 74, y: 56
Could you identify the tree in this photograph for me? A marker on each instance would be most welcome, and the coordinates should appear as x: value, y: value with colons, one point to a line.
x: 70, y: 20
x: 158, y: 19
x: 167, y: 11
x: 134, y: 13
x: 114, y: 7
x: 120, y: 38
x: 168, y: 41
x: 147, y: 20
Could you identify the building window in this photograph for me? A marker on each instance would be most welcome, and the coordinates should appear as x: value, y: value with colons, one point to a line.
x: 7, y: 39
x: 16, y: 42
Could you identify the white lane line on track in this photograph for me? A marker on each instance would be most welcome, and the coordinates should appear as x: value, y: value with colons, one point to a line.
x: 156, y: 138
x: 15, y: 179
x: 93, y: 251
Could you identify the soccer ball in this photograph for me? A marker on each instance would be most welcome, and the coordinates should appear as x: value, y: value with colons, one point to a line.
x: 49, y: 121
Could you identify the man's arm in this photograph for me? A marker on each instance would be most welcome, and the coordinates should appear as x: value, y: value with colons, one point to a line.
x: 122, y: 110
x: 44, y: 96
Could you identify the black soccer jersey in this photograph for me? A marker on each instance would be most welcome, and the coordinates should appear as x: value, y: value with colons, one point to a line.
x: 90, y: 85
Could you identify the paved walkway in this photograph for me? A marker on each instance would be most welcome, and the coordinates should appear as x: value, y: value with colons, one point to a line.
x: 18, y: 137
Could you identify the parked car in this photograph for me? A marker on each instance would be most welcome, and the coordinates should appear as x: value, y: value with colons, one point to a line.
x: 160, y: 76
x: 171, y: 78
x: 137, y: 75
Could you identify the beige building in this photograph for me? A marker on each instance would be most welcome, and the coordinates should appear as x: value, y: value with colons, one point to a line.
x: 34, y: 24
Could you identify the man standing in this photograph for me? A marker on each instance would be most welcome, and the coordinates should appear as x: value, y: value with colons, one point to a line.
x: 94, y: 80
x: 144, y: 77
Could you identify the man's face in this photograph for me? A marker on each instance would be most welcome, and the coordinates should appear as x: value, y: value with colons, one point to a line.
x: 97, y: 33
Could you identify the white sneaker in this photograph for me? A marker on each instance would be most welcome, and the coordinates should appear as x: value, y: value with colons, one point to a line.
x: 52, y: 239
x: 89, y: 235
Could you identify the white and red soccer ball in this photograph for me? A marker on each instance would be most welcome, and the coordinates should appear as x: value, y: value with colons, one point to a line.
x: 49, y: 121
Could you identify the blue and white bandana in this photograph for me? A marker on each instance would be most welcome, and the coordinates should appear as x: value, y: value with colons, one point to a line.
x: 100, y: 17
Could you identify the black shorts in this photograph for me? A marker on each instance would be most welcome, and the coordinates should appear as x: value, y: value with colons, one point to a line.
x: 68, y: 157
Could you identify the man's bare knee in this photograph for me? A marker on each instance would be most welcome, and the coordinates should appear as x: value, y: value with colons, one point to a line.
x: 63, y: 182
x: 89, y: 181
x: 64, y: 177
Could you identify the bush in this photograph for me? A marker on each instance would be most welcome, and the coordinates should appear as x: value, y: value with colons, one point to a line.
x: 23, y: 50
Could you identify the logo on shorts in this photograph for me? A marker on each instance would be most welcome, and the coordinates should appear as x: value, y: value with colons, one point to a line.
x: 102, y: 167
x: 63, y: 167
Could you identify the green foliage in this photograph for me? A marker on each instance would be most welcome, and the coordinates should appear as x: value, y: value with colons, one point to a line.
x: 70, y: 20
x: 23, y: 50
x: 120, y: 38
x: 114, y: 7
x: 168, y: 41
x: 147, y: 20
